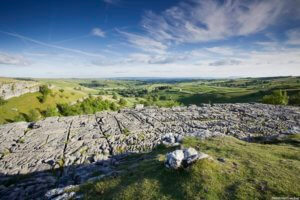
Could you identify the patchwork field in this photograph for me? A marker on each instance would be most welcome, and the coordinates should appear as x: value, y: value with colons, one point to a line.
x: 149, y: 92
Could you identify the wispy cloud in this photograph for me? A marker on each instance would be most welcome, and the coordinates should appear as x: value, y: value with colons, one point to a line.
x: 195, y: 21
x: 50, y: 45
x: 9, y: 59
x: 144, y: 43
x: 98, y: 32
x: 155, y: 59
x: 293, y: 37
x: 200, y: 21
x: 225, y: 62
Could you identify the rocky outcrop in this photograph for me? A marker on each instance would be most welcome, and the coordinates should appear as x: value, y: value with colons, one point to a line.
x: 62, y: 151
x: 18, y: 88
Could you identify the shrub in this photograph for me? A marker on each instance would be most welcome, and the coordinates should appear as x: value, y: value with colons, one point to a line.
x: 61, y: 90
x: 101, y: 92
x: 88, y: 106
x: 145, y: 103
x: 295, y: 99
x: 20, y: 118
x: 155, y: 98
x: 113, y: 106
x: 115, y: 96
x: 50, y: 112
x: 67, y: 110
x: 32, y: 116
x: 163, y: 98
x: 42, y: 99
x: 278, y: 97
x: 123, y: 102
x: 44, y: 90
x: 2, y: 101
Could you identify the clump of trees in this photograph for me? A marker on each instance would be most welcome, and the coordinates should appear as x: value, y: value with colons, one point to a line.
x: 50, y: 112
x: 45, y: 91
x: 122, y: 102
x: 295, y: 99
x: 32, y: 116
x: 133, y: 92
x: 115, y: 97
x: 278, y: 97
x: 93, y: 84
x: 90, y: 105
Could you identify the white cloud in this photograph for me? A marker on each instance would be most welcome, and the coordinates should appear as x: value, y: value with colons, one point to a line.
x: 225, y: 62
x: 293, y: 37
x: 145, y: 43
x: 9, y: 59
x: 226, y: 51
x: 201, y: 21
x: 154, y: 59
x: 98, y: 32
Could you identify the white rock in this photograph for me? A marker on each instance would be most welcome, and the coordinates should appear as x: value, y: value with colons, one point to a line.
x: 171, y: 139
x: 174, y: 159
x: 184, y: 158
x: 190, y: 152
x: 190, y: 156
x: 139, y: 106
x: 202, y: 156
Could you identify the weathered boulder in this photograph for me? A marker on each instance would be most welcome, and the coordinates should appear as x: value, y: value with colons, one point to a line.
x: 183, y: 158
x: 174, y: 159
x: 171, y: 139
x: 190, y: 156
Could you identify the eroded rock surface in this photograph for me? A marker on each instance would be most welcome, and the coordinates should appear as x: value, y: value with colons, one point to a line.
x: 17, y: 88
x: 62, y: 151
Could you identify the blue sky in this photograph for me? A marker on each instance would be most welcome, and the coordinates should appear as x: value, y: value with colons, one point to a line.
x: 149, y: 38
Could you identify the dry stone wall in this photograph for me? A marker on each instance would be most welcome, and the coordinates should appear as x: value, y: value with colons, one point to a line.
x: 79, y: 147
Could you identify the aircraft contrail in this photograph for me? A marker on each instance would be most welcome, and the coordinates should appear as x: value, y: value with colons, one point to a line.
x: 50, y: 45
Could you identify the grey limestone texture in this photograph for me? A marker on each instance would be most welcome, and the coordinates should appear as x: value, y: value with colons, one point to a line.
x: 45, y: 157
x: 18, y: 88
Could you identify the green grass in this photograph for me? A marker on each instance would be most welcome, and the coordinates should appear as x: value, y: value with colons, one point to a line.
x: 251, y: 171
x: 68, y: 85
x: 29, y: 101
x: 177, y: 93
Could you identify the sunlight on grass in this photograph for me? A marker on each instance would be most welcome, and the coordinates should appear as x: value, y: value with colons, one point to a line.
x: 250, y: 171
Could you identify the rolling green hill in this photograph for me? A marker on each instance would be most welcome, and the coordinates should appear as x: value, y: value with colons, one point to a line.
x: 162, y: 93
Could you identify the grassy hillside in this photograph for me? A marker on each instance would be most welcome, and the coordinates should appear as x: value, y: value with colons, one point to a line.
x: 29, y: 101
x: 63, y: 91
x: 250, y: 171
x: 199, y: 91
x: 163, y: 93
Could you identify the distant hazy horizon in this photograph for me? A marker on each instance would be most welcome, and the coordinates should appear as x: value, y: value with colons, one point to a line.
x: 134, y: 38
x: 145, y: 78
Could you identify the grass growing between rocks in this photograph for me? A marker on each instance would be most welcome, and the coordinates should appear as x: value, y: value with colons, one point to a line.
x: 250, y: 171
